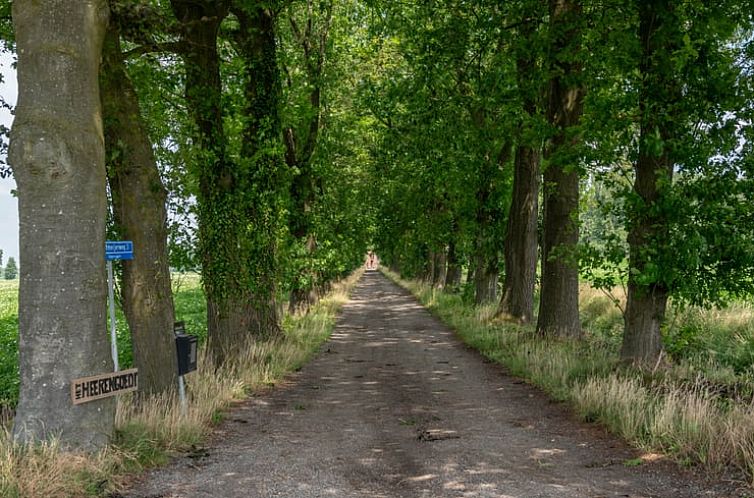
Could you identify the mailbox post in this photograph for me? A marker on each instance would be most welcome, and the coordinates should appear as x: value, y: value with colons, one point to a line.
x: 185, y: 347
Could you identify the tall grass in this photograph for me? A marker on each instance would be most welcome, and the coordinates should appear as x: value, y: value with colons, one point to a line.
x: 148, y: 433
x: 699, y: 410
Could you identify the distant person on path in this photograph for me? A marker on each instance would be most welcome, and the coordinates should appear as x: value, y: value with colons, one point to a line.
x: 371, y: 260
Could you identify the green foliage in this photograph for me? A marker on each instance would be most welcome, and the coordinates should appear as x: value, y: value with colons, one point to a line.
x: 9, y: 377
x: 438, y: 89
x: 701, y: 250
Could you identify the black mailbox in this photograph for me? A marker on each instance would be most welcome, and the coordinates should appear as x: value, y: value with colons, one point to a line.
x: 185, y: 345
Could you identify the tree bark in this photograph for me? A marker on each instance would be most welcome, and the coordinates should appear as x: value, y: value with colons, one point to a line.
x: 485, y: 278
x: 439, y: 268
x: 139, y: 198
x: 559, y: 295
x: 58, y: 158
x: 520, y: 250
x: 659, y: 31
x: 453, y: 274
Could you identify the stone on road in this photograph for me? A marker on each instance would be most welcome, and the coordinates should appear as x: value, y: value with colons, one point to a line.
x: 396, y: 406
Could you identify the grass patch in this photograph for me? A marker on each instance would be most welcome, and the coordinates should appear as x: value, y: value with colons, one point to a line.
x: 699, y: 410
x: 148, y: 434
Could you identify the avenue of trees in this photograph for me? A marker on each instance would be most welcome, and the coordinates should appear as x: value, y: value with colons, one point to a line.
x: 500, y: 149
x: 552, y: 141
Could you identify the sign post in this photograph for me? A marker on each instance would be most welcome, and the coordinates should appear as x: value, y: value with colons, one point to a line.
x: 179, y: 328
x: 115, y: 250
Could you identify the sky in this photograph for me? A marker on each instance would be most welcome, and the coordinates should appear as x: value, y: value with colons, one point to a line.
x: 8, y: 203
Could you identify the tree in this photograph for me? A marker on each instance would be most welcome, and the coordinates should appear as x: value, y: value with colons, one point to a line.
x: 238, y: 208
x: 689, y: 231
x: 58, y: 159
x: 559, y: 295
x: 139, y: 211
x: 11, y: 270
x: 517, y: 303
x: 310, y: 35
x: 266, y: 181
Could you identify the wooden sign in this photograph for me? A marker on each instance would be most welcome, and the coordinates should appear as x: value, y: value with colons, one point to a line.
x: 103, y: 386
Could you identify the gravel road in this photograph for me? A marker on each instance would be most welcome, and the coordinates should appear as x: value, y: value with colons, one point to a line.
x: 396, y: 406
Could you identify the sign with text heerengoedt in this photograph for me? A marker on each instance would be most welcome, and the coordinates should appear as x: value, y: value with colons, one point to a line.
x: 119, y: 249
x: 103, y: 386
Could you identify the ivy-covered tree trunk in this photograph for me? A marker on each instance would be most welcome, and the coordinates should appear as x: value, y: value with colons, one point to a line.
x: 265, y: 184
x: 222, y: 248
x: 660, y: 36
x: 520, y: 249
x: 559, y: 295
x: 139, y: 199
x: 306, y: 187
x: 58, y: 158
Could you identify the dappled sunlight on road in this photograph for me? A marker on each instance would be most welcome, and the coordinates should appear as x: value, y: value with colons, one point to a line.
x: 395, y: 406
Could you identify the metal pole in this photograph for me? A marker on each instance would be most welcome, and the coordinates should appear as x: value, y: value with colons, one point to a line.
x: 111, y: 298
x: 181, y: 386
x: 182, y: 395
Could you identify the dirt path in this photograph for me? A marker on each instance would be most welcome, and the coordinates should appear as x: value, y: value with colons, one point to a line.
x: 395, y: 406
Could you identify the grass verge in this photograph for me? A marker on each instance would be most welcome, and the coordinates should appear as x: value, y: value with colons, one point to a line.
x: 683, y: 411
x: 149, y: 433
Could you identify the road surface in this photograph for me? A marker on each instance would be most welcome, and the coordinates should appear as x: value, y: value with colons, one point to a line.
x: 396, y: 406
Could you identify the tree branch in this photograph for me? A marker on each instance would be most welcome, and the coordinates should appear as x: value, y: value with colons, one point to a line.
x: 169, y: 47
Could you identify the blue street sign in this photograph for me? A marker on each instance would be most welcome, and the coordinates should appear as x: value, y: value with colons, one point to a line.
x: 120, y: 249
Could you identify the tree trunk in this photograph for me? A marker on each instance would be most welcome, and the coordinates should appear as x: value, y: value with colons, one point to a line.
x: 439, y: 268
x: 485, y: 278
x: 307, y: 185
x: 559, y: 296
x: 58, y: 158
x: 264, y: 183
x: 659, y: 31
x: 471, y: 272
x: 223, y: 243
x: 139, y: 199
x: 517, y: 303
x: 303, y: 295
x: 453, y: 274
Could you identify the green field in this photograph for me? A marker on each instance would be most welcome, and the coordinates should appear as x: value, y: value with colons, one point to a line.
x: 190, y: 307
x: 8, y: 341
